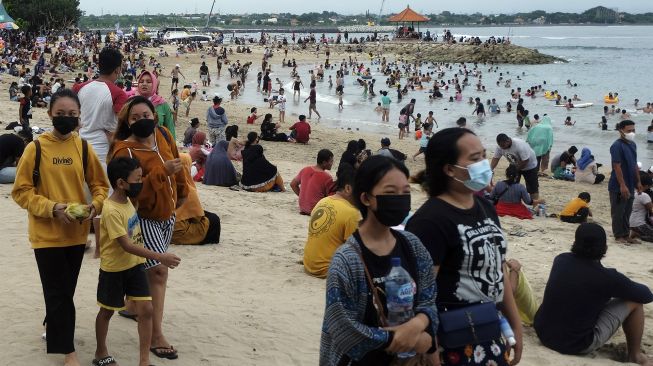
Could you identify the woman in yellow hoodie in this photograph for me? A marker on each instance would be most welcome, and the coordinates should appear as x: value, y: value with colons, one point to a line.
x: 164, y: 189
x: 58, y: 239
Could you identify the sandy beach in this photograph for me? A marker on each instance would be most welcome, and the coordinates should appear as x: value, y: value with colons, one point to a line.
x: 247, y: 300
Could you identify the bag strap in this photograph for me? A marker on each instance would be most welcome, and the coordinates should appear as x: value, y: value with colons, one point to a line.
x: 36, y: 172
x: 84, y: 156
x: 500, y: 194
x: 376, y: 300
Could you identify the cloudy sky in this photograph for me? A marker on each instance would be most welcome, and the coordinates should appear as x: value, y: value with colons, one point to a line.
x: 347, y: 7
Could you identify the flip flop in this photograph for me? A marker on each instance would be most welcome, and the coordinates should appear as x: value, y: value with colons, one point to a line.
x: 105, y: 361
x: 128, y: 315
x: 170, y: 355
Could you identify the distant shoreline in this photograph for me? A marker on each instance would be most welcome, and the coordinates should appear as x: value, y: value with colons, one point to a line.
x: 316, y: 29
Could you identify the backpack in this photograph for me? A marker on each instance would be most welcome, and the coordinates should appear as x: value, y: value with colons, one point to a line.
x: 36, y: 173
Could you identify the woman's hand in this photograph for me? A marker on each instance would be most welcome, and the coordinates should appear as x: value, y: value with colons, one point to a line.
x: 406, y: 336
x: 59, y: 212
x: 172, y: 166
x: 91, y: 213
x: 518, y: 347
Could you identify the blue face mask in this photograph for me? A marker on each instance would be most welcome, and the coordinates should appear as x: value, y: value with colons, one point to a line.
x: 480, y: 175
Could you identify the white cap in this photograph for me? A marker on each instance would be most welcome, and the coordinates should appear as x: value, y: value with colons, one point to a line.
x: 177, y: 65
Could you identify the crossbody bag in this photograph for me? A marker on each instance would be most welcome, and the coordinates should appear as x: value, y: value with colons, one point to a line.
x: 472, y: 324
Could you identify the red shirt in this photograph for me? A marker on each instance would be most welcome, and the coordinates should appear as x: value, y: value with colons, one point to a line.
x: 313, y: 186
x: 303, y: 130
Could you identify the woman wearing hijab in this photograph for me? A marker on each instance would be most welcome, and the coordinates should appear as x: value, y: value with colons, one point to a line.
x: 587, y: 170
x: 218, y: 169
x: 540, y: 137
x: 148, y: 87
x: 259, y: 175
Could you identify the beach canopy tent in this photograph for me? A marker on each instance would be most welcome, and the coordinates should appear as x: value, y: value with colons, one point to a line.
x: 5, y: 20
x: 407, y: 16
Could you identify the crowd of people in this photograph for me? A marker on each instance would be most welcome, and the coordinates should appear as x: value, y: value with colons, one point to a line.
x: 118, y: 170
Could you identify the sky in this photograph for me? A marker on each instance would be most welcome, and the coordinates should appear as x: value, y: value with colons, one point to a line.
x: 347, y: 7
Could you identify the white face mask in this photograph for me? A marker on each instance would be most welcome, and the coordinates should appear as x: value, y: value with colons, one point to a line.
x: 630, y: 136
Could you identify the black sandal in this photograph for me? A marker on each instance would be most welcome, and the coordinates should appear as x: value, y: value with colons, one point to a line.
x: 160, y: 352
x: 109, y: 360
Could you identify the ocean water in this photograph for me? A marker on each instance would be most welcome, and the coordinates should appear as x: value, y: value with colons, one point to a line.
x: 601, y: 59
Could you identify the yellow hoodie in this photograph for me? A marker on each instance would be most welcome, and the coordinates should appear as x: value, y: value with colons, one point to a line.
x: 61, y: 181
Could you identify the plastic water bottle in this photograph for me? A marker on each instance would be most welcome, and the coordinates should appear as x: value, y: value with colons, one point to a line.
x: 399, y: 289
x: 541, y: 210
x: 507, y: 332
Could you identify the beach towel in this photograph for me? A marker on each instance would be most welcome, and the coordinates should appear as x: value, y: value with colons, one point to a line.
x: 517, y: 210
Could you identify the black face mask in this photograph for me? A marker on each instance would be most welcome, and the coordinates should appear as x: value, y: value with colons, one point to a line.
x: 134, y: 189
x: 392, y: 209
x: 65, y: 124
x: 143, y: 127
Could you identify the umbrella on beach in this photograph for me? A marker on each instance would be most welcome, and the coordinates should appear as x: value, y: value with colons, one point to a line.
x: 6, y: 22
x: 8, y: 25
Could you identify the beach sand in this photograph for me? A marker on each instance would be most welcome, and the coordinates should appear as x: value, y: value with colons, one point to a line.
x: 247, y: 300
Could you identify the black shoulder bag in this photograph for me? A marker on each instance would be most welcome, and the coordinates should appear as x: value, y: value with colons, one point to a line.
x: 472, y: 324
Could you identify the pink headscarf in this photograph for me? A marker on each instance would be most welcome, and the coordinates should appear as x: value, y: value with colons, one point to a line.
x: 155, y: 98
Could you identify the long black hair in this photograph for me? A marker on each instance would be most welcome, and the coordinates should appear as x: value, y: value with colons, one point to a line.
x: 368, y: 175
x: 511, y: 174
x: 441, y: 150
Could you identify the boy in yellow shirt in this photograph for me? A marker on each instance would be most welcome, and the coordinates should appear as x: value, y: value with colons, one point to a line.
x: 577, y: 210
x: 121, y: 260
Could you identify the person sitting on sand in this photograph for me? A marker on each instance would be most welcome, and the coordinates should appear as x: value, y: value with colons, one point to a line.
x: 511, y: 196
x: 561, y: 162
x: 190, y: 132
x: 194, y: 225
x: 259, y: 175
x: 313, y: 183
x: 301, y: 131
x: 640, y: 224
x: 385, y: 150
x: 351, y: 330
x: 11, y: 149
x: 587, y: 169
x: 269, y: 130
x: 578, y: 317
x: 198, y: 153
x: 333, y: 220
x: 349, y: 156
x: 577, y: 210
x: 218, y: 169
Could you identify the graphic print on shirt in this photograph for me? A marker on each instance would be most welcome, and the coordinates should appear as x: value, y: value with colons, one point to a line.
x: 135, y: 235
x: 322, y: 219
x: 513, y: 159
x: 484, y: 248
